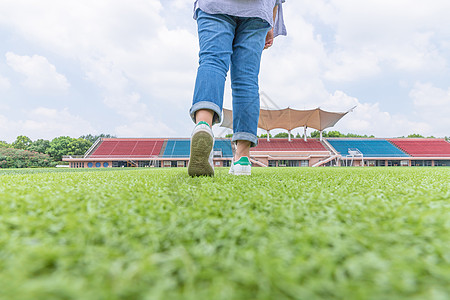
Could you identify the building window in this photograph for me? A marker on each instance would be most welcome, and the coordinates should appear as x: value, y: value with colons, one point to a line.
x: 90, y: 165
x: 371, y: 163
x: 143, y: 164
x: 417, y: 163
x: 227, y: 163
x: 272, y: 163
x: 442, y: 163
x: 304, y: 163
x: 98, y: 165
x: 105, y: 165
x: 393, y: 163
x: 421, y: 163
x: 288, y: 163
x: 293, y: 163
x: 119, y: 164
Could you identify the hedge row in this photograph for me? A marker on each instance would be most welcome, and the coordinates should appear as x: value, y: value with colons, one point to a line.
x: 17, y: 158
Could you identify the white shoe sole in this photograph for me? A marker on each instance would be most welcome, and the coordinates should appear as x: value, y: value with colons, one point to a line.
x: 201, y: 146
x: 241, y: 170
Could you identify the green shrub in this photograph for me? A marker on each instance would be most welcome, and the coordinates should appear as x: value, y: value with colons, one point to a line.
x: 17, y: 158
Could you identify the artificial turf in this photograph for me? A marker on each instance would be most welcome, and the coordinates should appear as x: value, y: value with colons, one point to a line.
x: 282, y: 233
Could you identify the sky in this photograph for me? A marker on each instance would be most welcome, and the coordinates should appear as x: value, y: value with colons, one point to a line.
x: 127, y: 68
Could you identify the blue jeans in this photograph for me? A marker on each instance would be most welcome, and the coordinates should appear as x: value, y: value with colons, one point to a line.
x: 228, y: 40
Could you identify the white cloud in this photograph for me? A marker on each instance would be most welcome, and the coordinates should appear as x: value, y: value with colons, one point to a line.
x: 39, y: 73
x: 141, y: 55
x: 131, y: 36
x: 432, y: 105
x: 291, y: 68
x: 44, y: 123
x: 77, y: 28
x: 346, y: 66
x: 347, y: 41
x: 48, y: 123
x: 146, y: 126
x: 369, y: 119
x: 4, y: 83
x: 125, y: 48
x: 3, y: 124
x: 129, y: 106
x: 365, y: 35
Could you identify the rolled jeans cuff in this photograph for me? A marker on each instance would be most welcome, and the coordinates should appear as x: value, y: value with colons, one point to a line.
x: 245, y: 136
x: 217, y: 118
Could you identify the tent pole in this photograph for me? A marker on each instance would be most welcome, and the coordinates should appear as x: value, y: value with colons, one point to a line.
x: 268, y: 134
x: 305, y: 133
x: 321, y: 135
x: 289, y: 135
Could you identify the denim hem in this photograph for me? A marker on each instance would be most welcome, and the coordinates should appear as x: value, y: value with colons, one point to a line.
x: 245, y: 136
x: 207, y: 105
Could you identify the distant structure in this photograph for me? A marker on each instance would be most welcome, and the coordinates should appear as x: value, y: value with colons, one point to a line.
x: 290, y: 119
x: 174, y: 152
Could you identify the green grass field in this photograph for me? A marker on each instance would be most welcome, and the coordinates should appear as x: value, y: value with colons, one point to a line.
x: 287, y: 233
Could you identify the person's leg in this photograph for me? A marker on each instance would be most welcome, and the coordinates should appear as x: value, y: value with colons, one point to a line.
x: 242, y: 149
x: 216, y: 34
x: 245, y: 64
x: 204, y: 115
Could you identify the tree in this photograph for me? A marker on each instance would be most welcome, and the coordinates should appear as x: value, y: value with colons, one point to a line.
x: 415, y: 135
x: 65, y: 145
x: 334, y: 133
x: 18, y: 158
x: 316, y: 134
x: 265, y: 135
x: 4, y: 144
x: 283, y: 135
x: 92, y: 138
x: 78, y: 146
x: 40, y: 146
x: 22, y: 142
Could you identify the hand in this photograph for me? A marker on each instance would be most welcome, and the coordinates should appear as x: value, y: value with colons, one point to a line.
x: 269, y: 39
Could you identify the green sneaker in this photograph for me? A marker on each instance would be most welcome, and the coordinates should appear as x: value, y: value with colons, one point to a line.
x: 241, y: 167
x: 201, y: 157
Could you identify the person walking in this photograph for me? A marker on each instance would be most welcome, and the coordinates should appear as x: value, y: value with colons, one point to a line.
x: 232, y: 35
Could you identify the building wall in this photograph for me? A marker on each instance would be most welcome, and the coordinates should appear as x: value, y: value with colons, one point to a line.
x: 295, y: 161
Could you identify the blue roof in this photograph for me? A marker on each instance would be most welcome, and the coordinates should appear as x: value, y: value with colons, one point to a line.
x: 181, y: 148
x: 225, y: 146
x: 369, y: 148
x: 177, y: 148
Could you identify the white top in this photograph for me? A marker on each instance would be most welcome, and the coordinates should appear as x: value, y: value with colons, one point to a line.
x: 246, y: 8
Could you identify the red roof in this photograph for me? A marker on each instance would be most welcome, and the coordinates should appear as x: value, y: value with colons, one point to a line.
x: 423, y: 147
x: 285, y: 145
x: 132, y: 148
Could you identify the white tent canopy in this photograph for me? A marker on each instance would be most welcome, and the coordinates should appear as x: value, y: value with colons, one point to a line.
x: 289, y: 119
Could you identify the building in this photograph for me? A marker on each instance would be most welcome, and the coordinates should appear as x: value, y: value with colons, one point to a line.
x: 174, y: 152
